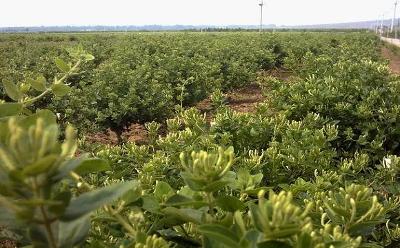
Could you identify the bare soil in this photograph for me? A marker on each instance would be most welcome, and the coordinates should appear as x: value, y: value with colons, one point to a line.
x: 246, y: 99
x: 393, y: 57
x: 243, y: 100
x: 135, y: 133
x: 7, y: 244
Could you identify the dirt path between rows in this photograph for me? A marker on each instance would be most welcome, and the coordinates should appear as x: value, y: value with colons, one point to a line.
x: 394, y: 59
x: 391, y: 51
x: 243, y: 100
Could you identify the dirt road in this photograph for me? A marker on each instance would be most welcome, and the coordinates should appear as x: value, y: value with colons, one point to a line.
x: 391, y: 54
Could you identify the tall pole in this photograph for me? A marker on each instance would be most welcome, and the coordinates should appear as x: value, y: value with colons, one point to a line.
x: 261, y: 16
x: 394, y: 17
x: 381, y: 31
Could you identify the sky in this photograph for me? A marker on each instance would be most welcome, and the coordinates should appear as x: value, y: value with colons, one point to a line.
x: 188, y: 12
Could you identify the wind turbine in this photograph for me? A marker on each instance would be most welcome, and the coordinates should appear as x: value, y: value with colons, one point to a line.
x: 261, y: 4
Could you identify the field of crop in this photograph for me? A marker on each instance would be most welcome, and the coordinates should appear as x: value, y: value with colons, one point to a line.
x: 314, y: 162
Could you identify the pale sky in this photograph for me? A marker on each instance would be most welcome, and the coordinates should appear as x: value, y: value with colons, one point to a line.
x: 188, y: 12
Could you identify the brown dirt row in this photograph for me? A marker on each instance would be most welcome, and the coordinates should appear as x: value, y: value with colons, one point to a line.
x: 243, y: 100
x: 393, y: 57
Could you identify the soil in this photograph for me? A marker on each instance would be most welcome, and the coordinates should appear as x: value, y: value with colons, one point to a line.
x: 107, y: 138
x: 246, y: 99
x: 243, y: 100
x: 7, y: 244
x: 136, y: 133
x: 394, y: 59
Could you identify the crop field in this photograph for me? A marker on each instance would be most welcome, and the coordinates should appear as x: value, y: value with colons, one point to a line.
x: 215, y: 140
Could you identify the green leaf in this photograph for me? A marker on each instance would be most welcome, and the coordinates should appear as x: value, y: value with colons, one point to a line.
x: 220, y: 233
x: 39, y: 83
x: 285, y: 232
x: 304, y: 240
x: 257, y: 217
x: 74, y: 232
x: 230, y: 203
x: 62, y: 65
x: 184, y: 214
x: 88, y: 57
x: 150, y: 204
x: 132, y: 196
x: 180, y: 200
x: 90, y: 201
x: 364, y: 228
x: 40, y: 166
x: 254, y: 192
x: 68, y: 166
x: 38, y: 236
x: 177, y: 199
x: 48, y: 117
x: 12, y: 90
x: 10, y: 109
x: 92, y: 165
x: 191, y: 182
x: 215, y: 186
x: 273, y: 244
x: 64, y: 199
x: 250, y: 238
x: 60, y: 89
x: 9, y: 220
x: 163, y: 191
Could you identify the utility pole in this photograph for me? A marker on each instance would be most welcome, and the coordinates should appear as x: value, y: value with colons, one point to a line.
x: 394, y: 16
x: 261, y: 16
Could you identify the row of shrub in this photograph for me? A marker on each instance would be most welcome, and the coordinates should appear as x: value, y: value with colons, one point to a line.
x: 142, y: 77
x: 316, y: 166
x: 324, y: 144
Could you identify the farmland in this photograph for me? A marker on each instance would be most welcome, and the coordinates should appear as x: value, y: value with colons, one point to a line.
x: 314, y: 163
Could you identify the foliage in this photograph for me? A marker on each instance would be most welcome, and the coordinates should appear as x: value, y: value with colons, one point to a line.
x: 316, y: 166
x: 37, y: 197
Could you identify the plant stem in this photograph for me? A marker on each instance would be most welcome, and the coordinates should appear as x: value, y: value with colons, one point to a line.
x: 47, y: 225
x: 33, y: 100
x: 125, y: 224
x: 121, y: 221
x: 210, y: 200
x: 78, y: 179
x: 46, y: 221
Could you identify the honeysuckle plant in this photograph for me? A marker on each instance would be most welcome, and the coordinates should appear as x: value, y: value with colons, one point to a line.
x: 323, y: 145
x: 42, y: 194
